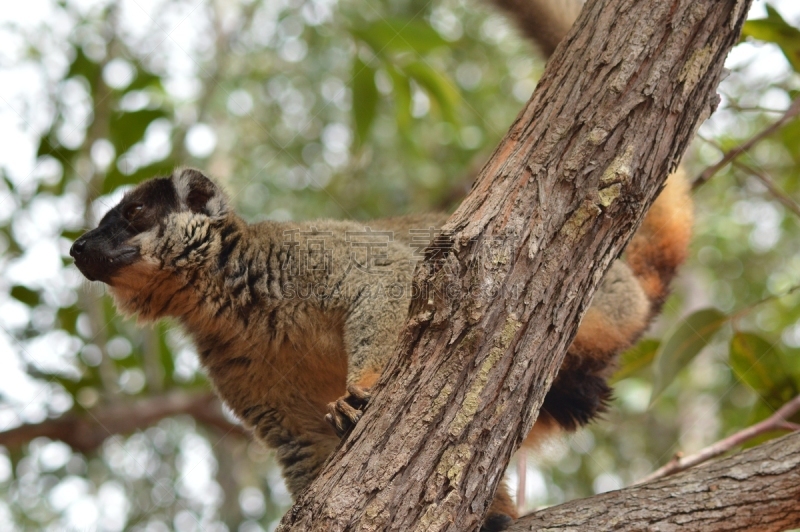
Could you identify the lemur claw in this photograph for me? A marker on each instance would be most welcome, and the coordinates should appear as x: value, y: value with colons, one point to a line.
x: 344, y: 413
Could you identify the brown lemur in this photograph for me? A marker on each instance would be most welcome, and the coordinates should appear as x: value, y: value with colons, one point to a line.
x: 294, y: 321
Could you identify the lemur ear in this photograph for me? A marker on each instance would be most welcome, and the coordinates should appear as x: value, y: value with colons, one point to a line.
x: 199, y: 193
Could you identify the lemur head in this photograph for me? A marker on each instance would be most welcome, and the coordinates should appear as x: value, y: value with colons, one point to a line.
x: 160, y: 226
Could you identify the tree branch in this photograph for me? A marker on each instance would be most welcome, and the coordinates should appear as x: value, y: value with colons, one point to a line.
x: 777, y: 421
x: 770, y: 185
x: 499, y: 298
x: 757, y: 489
x: 788, y: 116
x: 86, y: 432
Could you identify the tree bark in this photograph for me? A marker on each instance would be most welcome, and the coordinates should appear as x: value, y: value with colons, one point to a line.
x: 757, y: 489
x: 500, y: 295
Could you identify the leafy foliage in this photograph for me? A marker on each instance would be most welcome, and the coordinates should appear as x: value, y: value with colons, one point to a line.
x: 400, y: 47
x: 691, y: 335
x: 761, y: 365
x: 776, y: 30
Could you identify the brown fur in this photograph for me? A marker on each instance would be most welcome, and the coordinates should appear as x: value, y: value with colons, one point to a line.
x: 660, y: 246
x: 283, y: 315
x: 280, y: 359
x: 502, y: 512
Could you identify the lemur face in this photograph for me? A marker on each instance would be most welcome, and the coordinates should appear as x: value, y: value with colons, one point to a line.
x: 127, y: 234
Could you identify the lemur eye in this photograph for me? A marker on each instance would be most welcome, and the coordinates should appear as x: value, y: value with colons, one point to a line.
x: 132, y: 211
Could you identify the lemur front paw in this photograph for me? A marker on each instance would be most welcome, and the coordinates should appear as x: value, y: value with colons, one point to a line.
x: 345, y: 412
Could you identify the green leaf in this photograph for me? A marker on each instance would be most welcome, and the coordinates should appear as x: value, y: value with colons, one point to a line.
x: 399, y: 35
x: 71, y: 385
x: 48, y: 147
x: 790, y: 137
x: 402, y: 98
x: 68, y: 318
x: 365, y: 99
x: 760, y: 365
x: 143, y: 80
x: 754, y: 361
x: 683, y: 344
x: 776, y: 30
x: 636, y: 359
x: 440, y: 89
x: 13, y: 249
x: 127, y: 128
x: 115, y: 178
x: 72, y: 235
x: 166, y: 356
x: 83, y: 66
x: 25, y: 295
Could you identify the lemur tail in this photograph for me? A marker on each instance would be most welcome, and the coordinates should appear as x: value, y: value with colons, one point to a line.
x: 546, y: 22
x: 661, y: 243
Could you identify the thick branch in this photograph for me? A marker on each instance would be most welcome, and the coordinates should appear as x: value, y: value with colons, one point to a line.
x: 86, y: 432
x: 499, y: 299
x: 757, y: 489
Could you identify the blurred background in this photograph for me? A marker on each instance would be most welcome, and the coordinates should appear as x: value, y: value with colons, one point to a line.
x: 343, y: 109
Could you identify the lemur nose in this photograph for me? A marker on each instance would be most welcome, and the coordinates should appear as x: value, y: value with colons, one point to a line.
x: 77, y: 248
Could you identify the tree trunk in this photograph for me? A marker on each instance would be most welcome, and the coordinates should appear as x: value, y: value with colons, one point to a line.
x: 500, y: 296
x: 757, y: 489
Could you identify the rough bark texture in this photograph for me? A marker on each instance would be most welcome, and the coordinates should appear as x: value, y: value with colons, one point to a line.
x: 502, y: 294
x: 758, y: 489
